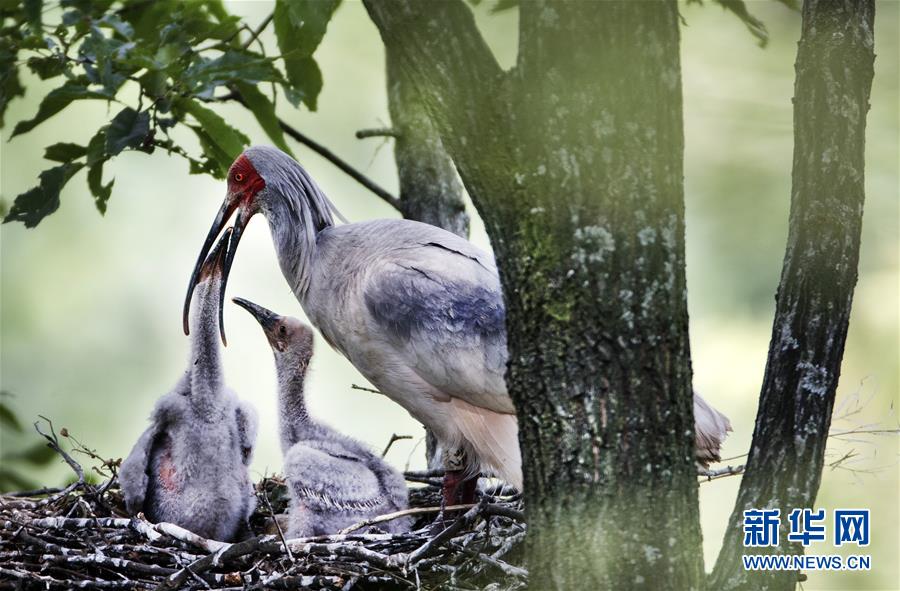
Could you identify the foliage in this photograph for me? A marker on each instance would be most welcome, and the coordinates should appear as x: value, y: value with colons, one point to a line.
x: 15, y: 464
x: 756, y: 27
x: 161, y: 65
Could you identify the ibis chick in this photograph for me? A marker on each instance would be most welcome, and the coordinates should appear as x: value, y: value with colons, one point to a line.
x: 190, y: 466
x: 334, y: 480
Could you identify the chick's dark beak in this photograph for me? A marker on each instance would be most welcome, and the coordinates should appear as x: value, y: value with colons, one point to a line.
x: 245, y: 211
x: 267, y: 319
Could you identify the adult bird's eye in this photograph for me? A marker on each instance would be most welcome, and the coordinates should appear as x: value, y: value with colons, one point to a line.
x: 238, y: 176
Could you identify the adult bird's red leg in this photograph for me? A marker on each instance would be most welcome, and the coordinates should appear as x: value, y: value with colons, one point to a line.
x: 467, y: 490
x: 450, y: 489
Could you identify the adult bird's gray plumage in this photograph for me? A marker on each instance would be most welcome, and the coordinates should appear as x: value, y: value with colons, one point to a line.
x: 334, y: 481
x: 418, y: 310
x: 190, y: 466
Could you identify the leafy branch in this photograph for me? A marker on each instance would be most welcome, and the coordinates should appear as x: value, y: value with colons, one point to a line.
x: 182, y: 58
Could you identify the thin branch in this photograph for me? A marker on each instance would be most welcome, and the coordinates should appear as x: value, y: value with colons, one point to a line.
x: 709, y: 475
x: 256, y: 33
x: 394, y: 438
x: 377, y: 132
x: 284, y: 543
x: 364, y: 389
x: 398, y: 514
x: 334, y: 159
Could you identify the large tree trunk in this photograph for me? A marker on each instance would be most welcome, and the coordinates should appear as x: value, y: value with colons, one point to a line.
x: 574, y: 160
x: 784, y: 469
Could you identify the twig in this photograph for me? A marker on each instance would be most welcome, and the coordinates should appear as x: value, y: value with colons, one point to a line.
x: 709, y: 475
x: 287, y: 548
x: 53, y: 442
x: 404, y: 513
x: 454, y: 528
x: 394, y: 438
x: 254, y: 34
x: 377, y: 132
x: 364, y: 389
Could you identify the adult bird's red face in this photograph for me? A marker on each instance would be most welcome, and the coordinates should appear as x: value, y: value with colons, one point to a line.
x: 244, y: 186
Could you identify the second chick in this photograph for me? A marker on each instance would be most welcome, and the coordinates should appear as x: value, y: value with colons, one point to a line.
x: 334, y: 480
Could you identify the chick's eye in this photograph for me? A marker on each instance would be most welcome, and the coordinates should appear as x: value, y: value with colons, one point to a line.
x: 238, y: 177
x: 282, y: 330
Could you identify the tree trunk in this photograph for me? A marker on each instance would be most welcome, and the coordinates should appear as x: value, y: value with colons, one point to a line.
x: 834, y: 77
x: 574, y: 160
x: 430, y: 190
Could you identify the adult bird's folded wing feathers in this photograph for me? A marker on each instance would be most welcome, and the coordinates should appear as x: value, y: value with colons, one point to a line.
x: 442, y: 311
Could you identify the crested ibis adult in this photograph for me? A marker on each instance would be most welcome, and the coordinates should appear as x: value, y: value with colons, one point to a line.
x: 334, y: 481
x: 418, y: 310
x: 190, y: 467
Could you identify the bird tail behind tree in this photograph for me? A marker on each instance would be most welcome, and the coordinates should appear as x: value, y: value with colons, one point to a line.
x: 711, y: 427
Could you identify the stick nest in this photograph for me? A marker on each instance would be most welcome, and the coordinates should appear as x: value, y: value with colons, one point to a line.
x: 80, y: 537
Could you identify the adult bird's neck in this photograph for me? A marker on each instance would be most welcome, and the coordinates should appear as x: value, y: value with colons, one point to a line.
x: 294, y: 419
x: 205, y: 367
x: 294, y: 230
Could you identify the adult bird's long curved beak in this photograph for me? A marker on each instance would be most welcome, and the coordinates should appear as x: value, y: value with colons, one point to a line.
x: 244, y: 213
x: 266, y: 318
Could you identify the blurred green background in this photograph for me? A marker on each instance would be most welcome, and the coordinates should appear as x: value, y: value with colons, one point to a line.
x: 91, y: 330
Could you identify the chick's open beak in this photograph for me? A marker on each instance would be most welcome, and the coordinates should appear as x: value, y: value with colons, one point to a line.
x: 245, y: 210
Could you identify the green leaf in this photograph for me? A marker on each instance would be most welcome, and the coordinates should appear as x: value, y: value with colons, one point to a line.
x: 34, y: 205
x: 264, y: 111
x: 128, y: 129
x: 756, y: 27
x: 113, y: 21
x: 100, y: 191
x: 33, y: 10
x: 9, y: 418
x: 204, y: 75
x: 96, y: 150
x: 300, y: 26
x: 47, y: 67
x: 229, y: 141
x: 105, y: 60
x: 64, y: 152
x: 306, y: 81
x: 10, y: 86
x: 217, y: 161
x: 55, y: 101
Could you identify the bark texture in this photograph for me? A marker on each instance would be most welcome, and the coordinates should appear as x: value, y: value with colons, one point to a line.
x: 430, y: 190
x: 574, y: 160
x: 834, y: 71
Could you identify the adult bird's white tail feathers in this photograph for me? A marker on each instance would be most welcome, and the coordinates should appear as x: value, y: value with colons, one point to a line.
x: 711, y: 427
x: 495, y: 436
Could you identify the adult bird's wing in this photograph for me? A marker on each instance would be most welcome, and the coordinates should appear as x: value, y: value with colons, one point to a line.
x: 437, y: 301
